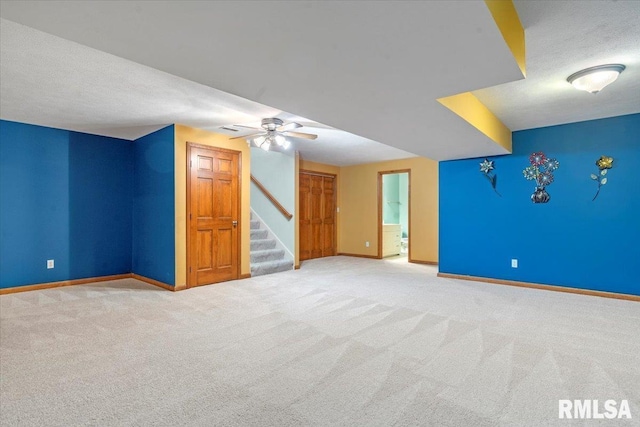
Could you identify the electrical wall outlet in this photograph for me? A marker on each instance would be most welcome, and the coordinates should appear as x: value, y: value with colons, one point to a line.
x: 366, y: 244
x: 338, y: 209
x: 50, y: 263
x: 514, y: 263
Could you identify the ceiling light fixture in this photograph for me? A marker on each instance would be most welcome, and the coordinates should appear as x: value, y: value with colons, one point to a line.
x: 273, y: 134
x: 259, y: 141
x: 594, y: 79
x: 272, y: 138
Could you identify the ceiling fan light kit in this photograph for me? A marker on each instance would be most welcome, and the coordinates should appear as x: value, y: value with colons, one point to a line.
x: 274, y: 133
x: 265, y: 142
x: 594, y: 79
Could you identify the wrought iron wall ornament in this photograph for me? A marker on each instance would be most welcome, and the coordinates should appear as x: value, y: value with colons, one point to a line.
x: 486, y: 167
x: 541, y: 170
x: 604, y: 163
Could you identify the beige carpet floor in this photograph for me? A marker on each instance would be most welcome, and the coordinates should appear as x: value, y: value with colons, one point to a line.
x: 343, y: 341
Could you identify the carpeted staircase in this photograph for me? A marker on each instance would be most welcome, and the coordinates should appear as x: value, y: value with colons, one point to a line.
x: 267, y: 254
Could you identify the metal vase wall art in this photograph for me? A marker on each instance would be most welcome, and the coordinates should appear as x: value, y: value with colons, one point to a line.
x: 487, y: 169
x: 541, y: 170
x: 604, y: 163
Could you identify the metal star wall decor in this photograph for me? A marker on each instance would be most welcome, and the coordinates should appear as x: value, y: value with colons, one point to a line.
x: 487, y: 169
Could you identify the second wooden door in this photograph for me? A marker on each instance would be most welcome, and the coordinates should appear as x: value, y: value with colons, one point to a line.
x: 317, y: 216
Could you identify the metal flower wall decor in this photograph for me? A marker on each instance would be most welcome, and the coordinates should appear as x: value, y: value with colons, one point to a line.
x: 604, y: 163
x: 486, y: 167
x: 541, y: 170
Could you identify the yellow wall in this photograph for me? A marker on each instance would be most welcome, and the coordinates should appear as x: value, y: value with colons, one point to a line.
x: 358, y: 202
x: 186, y: 134
x: 319, y: 167
x: 467, y: 106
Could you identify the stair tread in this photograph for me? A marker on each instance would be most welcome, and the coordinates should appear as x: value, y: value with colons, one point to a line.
x: 274, y: 263
x: 264, y: 251
x: 270, y: 267
x: 261, y: 244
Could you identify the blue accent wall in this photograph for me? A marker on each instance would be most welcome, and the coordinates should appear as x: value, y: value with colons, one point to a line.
x: 154, y: 206
x: 64, y: 196
x: 570, y: 241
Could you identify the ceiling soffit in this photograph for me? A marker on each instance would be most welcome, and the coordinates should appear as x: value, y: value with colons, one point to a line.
x: 375, y: 70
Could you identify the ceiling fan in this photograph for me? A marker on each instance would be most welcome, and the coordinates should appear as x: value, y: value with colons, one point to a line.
x: 273, y: 132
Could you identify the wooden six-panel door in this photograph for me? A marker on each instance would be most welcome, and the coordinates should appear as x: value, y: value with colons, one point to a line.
x: 317, y: 215
x: 213, y: 200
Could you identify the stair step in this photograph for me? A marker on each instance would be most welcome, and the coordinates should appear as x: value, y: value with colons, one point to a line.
x: 261, y: 244
x: 259, y: 234
x: 262, y: 268
x: 267, y: 255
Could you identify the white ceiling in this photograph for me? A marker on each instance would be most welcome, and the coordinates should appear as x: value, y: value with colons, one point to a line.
x: 373, y: 69
x: 53, y: 82
x: 564, y: 37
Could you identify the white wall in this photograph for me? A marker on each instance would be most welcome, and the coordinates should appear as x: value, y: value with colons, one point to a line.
x: 276, y: 172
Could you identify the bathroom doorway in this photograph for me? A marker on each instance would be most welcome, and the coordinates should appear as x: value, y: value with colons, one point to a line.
x: 394, y: 214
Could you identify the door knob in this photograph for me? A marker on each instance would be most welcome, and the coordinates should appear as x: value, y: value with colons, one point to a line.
x: 235, y: 223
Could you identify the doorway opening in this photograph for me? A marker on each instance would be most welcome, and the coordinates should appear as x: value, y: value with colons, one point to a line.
x: 394, y: 214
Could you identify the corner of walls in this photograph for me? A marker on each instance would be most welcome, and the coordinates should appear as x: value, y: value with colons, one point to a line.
x: 65, y: 196
x: 153, y: 239
x: 570, y: 241
x: 183, y: 135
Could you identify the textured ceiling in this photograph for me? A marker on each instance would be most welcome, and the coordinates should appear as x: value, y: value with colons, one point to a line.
x: 53, y: 82
x: 372, y: 69
x: 564, y: 37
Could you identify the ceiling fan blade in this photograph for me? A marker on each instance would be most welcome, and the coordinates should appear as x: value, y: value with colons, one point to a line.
x: 247, y: 127
x: 288, y: 126
x: 300, y: 135
x: 247, y: 136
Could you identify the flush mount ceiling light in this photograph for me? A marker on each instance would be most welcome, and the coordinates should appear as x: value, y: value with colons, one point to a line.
x: 594, y: 79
